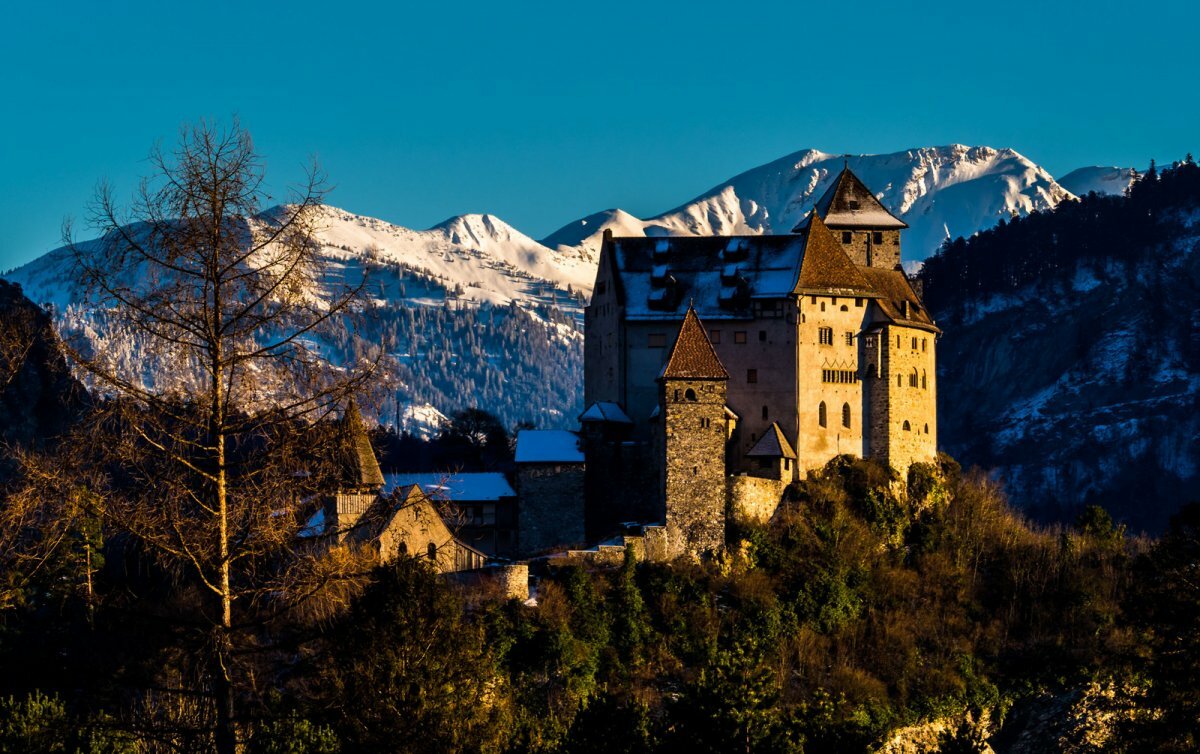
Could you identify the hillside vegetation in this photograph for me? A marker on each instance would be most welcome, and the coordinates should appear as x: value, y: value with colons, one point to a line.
x: 1070, y: 362
x: 861, y: 614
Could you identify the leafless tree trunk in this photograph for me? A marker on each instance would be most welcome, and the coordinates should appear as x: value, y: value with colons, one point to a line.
x: 212, y: 422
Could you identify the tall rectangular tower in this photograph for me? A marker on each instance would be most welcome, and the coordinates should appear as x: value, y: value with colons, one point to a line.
x: 693, y: 436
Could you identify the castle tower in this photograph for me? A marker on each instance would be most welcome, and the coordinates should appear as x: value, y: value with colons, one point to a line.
x: 360, y: 478
x: 868, y: 232
x: 692, y: 393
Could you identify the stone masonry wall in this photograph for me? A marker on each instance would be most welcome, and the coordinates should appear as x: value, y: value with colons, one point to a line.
x: 694, y: 465
x: 863, y: 250
x: 907, y: 356
x: 754, y: 499
x: 550, y: 506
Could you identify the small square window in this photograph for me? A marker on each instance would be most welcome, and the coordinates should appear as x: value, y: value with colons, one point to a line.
x: 762, y: 336
x: 739, y: 336
x: 751, y: 375
x: 714, y: 336
x: 858, y: 302
x: 849, y: 338
x: 656, y: 340
x: 877, y: 237
x: 853, y: 203
x: 847, y: 236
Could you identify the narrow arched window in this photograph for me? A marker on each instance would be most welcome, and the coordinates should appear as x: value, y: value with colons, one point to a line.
x: 907, y: 426
x: 821, y: 418
x: 432, y: 551
x: 926, y: 429
x: 846, y: 415
x: 871, y: 371
x: 899, y: 381
x: 764, y: 413
x: 913, y: 378
x: 924, y: 381
x: 690, y: 395
x: 676, y: 396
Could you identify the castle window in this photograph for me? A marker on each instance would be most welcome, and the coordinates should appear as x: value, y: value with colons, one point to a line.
x: 899, y: 381
x: 914, y: 344
x: 751, y: 375
x: 739, y: 336
x: 912, y: 378
x: 814, y: 299
x: 714, y: 336
x: 656, y: 340
x: 924, y: 343
x: 690, y: 395
x: 877, y: 237
x: 926, y: 429
x: 695, y: 471
x: 402, y: 550
x: 822, y: 306
x: 849, y: 338
x: 897, y: 341
x: 846, y: 415
x: 847, y: 237
x: 871, y: 371
x: 845, y: 308
x: 825, y: 336
x: 821, y: 418
x: 431, y: 550
x: 787, y: 464
x: 677, y: 395
x: 762, y: 336
x: 924, y: 381
x: 858, y: 302
x: 907, y: 427
x: 704, y: 423
x: 764, y: 413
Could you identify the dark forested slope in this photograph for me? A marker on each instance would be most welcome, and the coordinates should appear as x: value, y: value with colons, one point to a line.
x: 1071, y: 357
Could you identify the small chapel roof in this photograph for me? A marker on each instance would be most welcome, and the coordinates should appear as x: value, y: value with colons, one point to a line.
x: 693, y: 355
x: 359, y: 466
x: 469, y: 487
x: 848, y: 203
x: 548, y: 446
x: 773, y: 444
x: 605, y: 411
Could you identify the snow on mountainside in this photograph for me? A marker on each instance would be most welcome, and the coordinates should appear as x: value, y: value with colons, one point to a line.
x: 1102, y: 180
x: 465, y: 272
x: 939, y: 191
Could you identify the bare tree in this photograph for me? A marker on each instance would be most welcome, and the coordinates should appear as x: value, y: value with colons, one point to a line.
x: 213, y: 424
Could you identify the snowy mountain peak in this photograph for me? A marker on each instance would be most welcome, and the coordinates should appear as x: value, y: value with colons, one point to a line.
x: 1102, y: 180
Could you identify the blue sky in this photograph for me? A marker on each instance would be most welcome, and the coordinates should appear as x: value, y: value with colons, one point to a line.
x: 541, y: 112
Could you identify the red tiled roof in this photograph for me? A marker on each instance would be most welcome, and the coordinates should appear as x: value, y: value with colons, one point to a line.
x: 693, y: 356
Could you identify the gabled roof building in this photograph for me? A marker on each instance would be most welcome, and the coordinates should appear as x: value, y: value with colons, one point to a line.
x: 821, y: 342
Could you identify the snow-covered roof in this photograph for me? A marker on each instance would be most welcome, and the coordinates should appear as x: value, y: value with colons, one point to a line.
x: 850, y: 204
x: 605, y: 411
x: 549, y: 446
x: 455, y: 487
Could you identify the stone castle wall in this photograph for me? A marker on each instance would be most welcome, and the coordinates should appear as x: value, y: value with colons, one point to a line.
x: 863, y: 250
x: 754, y: 499
x: 903, y: 416
x: 550, y: 508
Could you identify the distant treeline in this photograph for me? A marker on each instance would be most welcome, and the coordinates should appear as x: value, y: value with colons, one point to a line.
x: 1047, y: 246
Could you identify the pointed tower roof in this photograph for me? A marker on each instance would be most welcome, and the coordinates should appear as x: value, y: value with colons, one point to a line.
x: 360, y: 468
x: 850, y: 204
x: 693, y: 356
x: 773, y: 444
x: 825, y: 267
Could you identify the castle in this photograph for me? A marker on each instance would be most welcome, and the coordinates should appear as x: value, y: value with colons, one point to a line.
x: 719, y: 369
